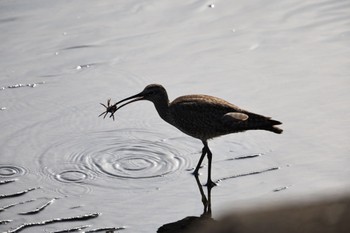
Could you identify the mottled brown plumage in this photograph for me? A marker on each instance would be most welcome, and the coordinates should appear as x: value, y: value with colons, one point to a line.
x: 200, y: 116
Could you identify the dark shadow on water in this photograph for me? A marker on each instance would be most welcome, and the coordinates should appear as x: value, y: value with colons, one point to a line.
x: 193, y: 223
x: 328, y: 215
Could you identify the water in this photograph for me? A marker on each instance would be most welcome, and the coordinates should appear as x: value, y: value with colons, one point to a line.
x: 60, y: 59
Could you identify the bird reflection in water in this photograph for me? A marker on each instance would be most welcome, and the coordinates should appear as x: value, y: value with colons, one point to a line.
x: 192, y: 224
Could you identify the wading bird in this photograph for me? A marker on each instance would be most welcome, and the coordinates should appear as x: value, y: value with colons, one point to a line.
x: 200, y: 116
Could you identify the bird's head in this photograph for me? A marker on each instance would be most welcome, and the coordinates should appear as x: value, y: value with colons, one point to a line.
x: 153, y: 92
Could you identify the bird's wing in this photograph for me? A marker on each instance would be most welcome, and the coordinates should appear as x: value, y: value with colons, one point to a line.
x: 234, y: 118
x: 206, y: 110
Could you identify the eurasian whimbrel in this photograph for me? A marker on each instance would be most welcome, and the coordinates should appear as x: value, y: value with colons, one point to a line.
x: 200, y: 116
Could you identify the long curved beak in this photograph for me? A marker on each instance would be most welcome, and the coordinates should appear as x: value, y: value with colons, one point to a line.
x: 132, y: 99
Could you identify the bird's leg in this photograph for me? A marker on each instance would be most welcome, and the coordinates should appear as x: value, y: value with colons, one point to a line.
x: 204, y: 151
x: 210, y: 183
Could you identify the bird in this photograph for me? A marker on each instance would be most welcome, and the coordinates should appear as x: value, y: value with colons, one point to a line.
x: 200, y: 116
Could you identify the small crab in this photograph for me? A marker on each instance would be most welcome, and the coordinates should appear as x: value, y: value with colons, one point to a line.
x: 109, y: 109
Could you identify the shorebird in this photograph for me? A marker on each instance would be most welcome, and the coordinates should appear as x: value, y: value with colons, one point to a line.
x: 200, y: 116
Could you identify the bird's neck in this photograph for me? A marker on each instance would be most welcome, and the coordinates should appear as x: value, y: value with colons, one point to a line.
x: 163, y: 109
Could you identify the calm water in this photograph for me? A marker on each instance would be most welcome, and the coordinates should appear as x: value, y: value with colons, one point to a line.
x: 60, y: 59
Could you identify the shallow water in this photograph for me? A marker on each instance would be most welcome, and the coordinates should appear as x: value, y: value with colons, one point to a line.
x: 60, y: 59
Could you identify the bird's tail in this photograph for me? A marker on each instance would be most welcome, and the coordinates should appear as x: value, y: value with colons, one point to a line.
x: 259, y: 122
x: 255, y: 122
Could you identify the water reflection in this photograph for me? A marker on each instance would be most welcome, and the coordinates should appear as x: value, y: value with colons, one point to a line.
x: 110, y: 159
x: 193, y: 223
x: 324, y: 215
x: 34, y: 212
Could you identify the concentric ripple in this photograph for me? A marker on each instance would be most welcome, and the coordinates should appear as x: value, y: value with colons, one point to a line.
x: 137, y: 159
x: 122, y: 154
x: 71, y: 176
x: 11, y: 171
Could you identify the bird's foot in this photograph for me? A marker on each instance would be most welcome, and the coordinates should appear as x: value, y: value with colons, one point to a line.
x: 210, y: 184
x: 195, y: 173
x: 109, y: 109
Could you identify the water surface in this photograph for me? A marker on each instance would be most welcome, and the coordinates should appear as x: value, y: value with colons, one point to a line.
x: 60, y: 59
